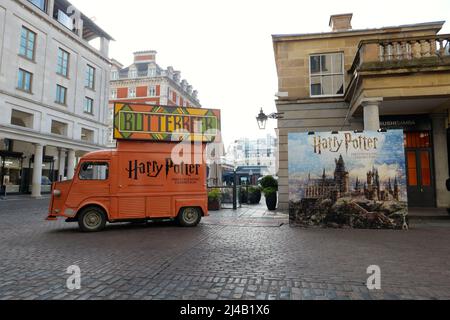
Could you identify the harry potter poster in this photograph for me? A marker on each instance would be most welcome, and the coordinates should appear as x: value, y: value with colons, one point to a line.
x: 348, y: 179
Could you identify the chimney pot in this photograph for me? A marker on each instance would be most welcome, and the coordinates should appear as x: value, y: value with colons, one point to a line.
x: 341, y: 22
x: 145, y: 56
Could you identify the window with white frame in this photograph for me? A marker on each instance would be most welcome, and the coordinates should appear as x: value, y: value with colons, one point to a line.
x: 327, y: 74
x: 62, y: 67
x: 25, y: 81
x: 152, y: 72
x: 152, y: 91
x: 90, y: 77
x: 114, y: 75
x: 88, y: 105
x: 61, y: 95
x: 27, y: 43
x: 132, y: 92
x: 133, y: 73
x: 114, y: 94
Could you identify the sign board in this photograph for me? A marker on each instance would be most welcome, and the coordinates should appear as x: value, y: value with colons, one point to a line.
x: 348, y: 179
x: 164, y: 123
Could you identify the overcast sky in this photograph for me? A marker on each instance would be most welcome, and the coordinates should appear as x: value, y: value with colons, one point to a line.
x: 224, y: 48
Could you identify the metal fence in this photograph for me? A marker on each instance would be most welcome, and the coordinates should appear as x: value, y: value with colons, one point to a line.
x: 232, y: 197
x: 229, y: 198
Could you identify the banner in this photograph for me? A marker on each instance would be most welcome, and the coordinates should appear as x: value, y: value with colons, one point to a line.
x: 158, y: 123
x: 348, y: 179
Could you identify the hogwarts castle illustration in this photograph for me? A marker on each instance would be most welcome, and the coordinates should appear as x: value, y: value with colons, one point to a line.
x: 339, y: 186
x: 373, y: 190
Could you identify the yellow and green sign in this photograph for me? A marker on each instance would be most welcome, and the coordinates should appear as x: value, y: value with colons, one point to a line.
x: 163, y: 123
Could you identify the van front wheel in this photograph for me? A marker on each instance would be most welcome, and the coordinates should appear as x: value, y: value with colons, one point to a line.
x: 189, y: 217
x: 92, y: 219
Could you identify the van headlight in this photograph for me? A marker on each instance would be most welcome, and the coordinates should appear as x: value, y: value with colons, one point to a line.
x: 56, y: 193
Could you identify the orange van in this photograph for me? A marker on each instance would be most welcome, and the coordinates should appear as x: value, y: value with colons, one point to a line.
x: 137, y: 181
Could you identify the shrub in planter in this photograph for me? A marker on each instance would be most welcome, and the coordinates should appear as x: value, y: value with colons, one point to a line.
x: 243, y: 195
x: 214, y: 200
x: 254, y: 195
x: 271, y: 198
x: 269, y: 182
x: 270, y: 189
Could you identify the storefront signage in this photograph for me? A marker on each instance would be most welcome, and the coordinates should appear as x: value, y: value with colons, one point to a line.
x: 348, y: 179
x: 158, y: 123
x: 406, y: 122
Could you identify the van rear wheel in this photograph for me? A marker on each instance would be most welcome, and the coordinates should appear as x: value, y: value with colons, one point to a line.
x: 189, y: 217
x: 92, y: 219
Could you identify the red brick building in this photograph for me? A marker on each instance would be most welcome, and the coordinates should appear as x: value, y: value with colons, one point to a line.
x: 146, y: 82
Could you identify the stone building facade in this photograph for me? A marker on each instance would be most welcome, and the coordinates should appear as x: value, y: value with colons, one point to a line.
x: 54, y: 86
x: 387, y: 78
x: 259, y: 153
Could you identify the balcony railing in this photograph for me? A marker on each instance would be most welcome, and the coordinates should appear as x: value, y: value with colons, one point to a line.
x: 401, y: 50
x: 140, y: 74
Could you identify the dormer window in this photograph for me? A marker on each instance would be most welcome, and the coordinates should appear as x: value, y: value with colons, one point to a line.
x: 152, y: 72
x: 133, y: 73
x: 114, y: 75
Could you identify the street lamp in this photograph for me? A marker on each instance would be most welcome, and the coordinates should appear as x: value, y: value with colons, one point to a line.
x: 262, y: 118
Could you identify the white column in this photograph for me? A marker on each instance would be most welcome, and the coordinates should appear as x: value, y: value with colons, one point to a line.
x: 62, y: 164
x: 37, y: 170
x: 50, y: 7
x: 104, y: 46
x: 71, y: 164
x: 371, y: 114
x: 440, y: 159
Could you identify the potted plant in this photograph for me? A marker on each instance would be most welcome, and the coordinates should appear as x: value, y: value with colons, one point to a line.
x: 214, y: 200
x: 243, y: 195
x: 271, y: 198
x: 270, y: 189
x: 254, y: 195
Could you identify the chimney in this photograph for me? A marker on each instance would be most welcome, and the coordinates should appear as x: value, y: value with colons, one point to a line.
x: 176, y: 76
x: 184, y: 84
x: 145, y: 56
x: 341, y: 22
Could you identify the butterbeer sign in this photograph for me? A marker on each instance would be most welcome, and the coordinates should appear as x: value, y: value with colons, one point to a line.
x: 348, y: 179
x: 163, y: 123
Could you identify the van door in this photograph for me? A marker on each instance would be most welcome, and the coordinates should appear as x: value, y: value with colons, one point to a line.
x: 92, y: 181
x: 130, y: 194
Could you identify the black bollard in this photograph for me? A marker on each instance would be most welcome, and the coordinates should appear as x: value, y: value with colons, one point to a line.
x: 3, y: 192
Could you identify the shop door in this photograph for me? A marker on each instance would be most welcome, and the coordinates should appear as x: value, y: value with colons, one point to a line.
x: 419, y: 165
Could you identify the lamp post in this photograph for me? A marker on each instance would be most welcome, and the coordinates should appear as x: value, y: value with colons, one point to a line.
x: 235, y: 185
x: 262, y: 118
x: 251, y: 177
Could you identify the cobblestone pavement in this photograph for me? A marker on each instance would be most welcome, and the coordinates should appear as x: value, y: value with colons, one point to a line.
x: 249, y: 254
